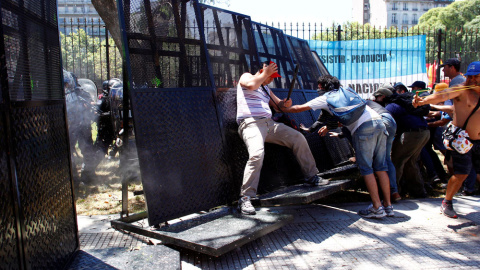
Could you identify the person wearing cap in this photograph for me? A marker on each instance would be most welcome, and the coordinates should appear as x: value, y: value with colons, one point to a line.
x: 399, y: 88
x: 412, y: 135
x: 418, y: 85
x: 256, y: 127
x: 451, y: 69
x: 381, y: 97
x: 464, y: 101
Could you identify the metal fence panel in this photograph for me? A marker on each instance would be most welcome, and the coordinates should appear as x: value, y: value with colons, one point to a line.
x: 230, y: 45
x: 184, y: 60
x: 271, y: 46
x: 180, y: 151
x: 9, y: 248
x: 38, y: 214
x: 44, y: 184
x: 179, y: 139
x: 302, y: 55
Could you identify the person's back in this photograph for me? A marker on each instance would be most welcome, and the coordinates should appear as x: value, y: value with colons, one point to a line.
x: 369, y: 141
x: 412, y: 135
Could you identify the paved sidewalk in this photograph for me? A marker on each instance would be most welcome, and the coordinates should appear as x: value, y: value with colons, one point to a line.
x: 334, y: 236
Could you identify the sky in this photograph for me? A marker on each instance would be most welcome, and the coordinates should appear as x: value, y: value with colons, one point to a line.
x: 319, y: 11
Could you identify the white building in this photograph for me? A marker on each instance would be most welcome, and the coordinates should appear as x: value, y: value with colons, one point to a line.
x: 82, y: 12
x: 400, y: 13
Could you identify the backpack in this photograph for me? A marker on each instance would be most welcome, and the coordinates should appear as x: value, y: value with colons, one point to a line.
x: 346, y: 105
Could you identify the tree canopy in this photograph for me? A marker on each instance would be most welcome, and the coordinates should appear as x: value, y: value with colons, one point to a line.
x: 456, y: 15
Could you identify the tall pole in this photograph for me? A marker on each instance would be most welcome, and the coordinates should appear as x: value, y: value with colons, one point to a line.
x: 339, y: 37
x: 107, y: 54
x: 439, y: 55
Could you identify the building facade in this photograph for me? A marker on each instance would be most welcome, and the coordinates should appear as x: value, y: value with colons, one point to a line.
x: 402, y: 14
x: 79, y: 12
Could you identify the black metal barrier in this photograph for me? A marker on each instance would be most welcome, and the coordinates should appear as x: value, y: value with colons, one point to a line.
x: 37, y: 211
x: 184, y: 60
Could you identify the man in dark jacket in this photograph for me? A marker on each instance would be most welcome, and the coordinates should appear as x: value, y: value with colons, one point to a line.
x: 412, y: 135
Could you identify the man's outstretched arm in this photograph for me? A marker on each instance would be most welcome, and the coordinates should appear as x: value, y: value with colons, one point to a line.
x: 297, y: 108
x: 437, y: 97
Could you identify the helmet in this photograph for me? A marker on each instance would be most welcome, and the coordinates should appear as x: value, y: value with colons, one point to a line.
x: 105, y: 88
x: 68, y: 81
x: 105, y: 85
x: 115, y: 83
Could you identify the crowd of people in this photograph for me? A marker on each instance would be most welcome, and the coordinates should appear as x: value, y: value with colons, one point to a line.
x: 82, y: 112
x: 394, y: 135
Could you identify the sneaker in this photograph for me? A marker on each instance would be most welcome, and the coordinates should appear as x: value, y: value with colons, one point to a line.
x: 316, y: 181
x: 447, y: 210
x: 389, y: 211
x: 245, y: 206
x: 395, y: 197
x: 371, y: 212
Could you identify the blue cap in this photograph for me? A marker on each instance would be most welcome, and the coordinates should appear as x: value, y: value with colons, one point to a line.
x: 399, y: 85
x: 420, y: 84
x: 473, y: 69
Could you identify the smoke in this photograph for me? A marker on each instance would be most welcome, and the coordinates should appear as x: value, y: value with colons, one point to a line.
x: 99, y: 156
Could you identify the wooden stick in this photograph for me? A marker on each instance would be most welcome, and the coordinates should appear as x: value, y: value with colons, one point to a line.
x: 457, y: 88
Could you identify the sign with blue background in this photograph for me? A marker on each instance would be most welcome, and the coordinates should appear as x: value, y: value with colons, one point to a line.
x: 365, y: 64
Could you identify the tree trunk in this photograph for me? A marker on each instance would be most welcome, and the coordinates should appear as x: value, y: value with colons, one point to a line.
x: 107, y: 9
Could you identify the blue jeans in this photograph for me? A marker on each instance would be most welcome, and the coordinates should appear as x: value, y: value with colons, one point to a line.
x: 391, y: 127
x: 369, y: 142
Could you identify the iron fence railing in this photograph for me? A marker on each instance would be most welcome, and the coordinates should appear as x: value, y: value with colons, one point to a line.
x: 440, y: 44
x: 88, y: 50
x: 86, y: 53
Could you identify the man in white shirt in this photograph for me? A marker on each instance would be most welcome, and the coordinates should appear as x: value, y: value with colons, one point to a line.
x: 256, y: 127
x: 369, y: 141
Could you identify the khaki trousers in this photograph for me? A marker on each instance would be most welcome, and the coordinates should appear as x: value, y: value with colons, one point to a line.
x: 255, y: 132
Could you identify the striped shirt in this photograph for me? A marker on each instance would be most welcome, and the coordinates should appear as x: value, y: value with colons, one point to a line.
x: 252, y: 103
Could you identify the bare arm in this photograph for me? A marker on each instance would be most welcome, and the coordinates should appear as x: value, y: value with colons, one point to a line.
x: 438, y: 123
x: 437, y: 97
x: 253, y: 82
x: 297, y: 108
x: 283, y: 104
x: 444, y: 108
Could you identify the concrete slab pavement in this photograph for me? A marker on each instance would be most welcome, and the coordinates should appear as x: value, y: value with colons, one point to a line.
x: 335, y: 237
